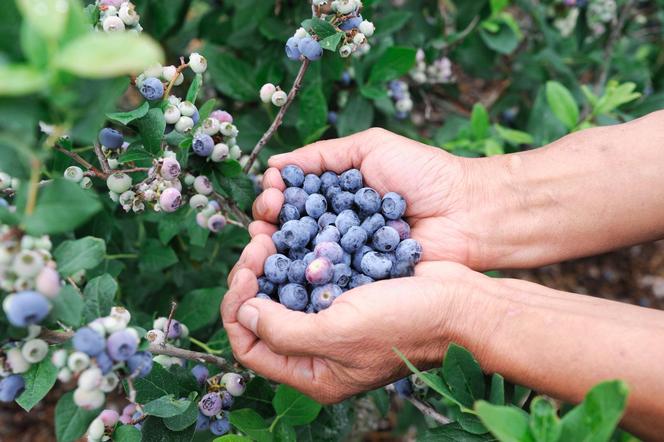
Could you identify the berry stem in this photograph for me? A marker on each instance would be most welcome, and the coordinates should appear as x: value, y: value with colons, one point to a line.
x: 204, y: 346
x: 34, y: 186
x: 297, y: 84
x: 178, y: 71
x: 102, y: 160
x: 231, y: 207
x: 83, y: 162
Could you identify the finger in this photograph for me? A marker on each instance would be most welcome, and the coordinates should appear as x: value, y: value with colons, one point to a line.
x: 253, y: 256
x: 244, y: 286
x: 268, y: 205
x: 272, y: 178
x: 284, y: 331
x: 337, y: 155
x: 261, y: 228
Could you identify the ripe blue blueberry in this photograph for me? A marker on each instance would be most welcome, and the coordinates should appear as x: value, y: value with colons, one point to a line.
x: 351, y: 180
x: 311, y: 225
x: 400, y: 226
x: 322, y: 297
x: 332, y: 117
x: 331, y: 191
x: 276, y: 268
x: 278, y: 240
x: 346, y: 78
x: 311, y: 183
x: 320, y: 271
x: 328, y: 234
x: 316, y: 205
x: 296, y: 196
x: 354, y: 239
x: 220, y: 426
x: 409, y: 251
x: 152, y: 89
x: 288, y: 213
x: 310, y: 48
x: 345, y: 220
x: 373, y: 223
x: 367, y: 200
x: 393, y: 205
x: 26, y: 308
x: 296, y: 235
x: 327, y: 180
x: 330, y: 250
x: 326, y: 219
x: 310, y: 309
x: 298, y: 253
x: 293, y: 176
x: 351, y: 23
x: 226, y: 400
x: 11, y: 387
x: 296, y: 272
x: 342, y: 275
x: 202, y: 144
x: 265, y: 296
x: 376, y: 265
x: 104, y: 362
x: 200, y: 373
x: 347, y: 259
x: 266, y: 286
x: 292, y: 52
x: 357, y: 257
x: 139, y: 364
x: 401, y: 269
x: 121, y: 345
x: 359, y: 279
x: 111, y: 138
x: 403, y: 387
x: 210, y: 404
x: 309, y: 257
x: 88, y: 341
x: 386, y: 239
x: 293, y: 296
x: 342, y: 201
x: 202, y: 422
x: 174, y: 329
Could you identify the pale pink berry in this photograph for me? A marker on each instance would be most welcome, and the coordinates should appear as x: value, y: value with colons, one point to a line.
x: 222, y: 116
x: 170, y: 200
x: 170, y: 169
x: 48, y: 282
x: 216, y: 222
x: 109, y: 417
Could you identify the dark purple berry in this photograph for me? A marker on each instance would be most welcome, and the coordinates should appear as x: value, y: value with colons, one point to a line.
x: 296, y: 272
x: 342, y: 201
x: 326, y: 219
x: 400, y: 226
x: 367, y: 200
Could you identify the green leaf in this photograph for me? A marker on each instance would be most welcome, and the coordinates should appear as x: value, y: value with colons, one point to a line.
x: 497, y: 392
x: 151, y: 127
x: 562, y: 104
x: 98, y: 297
x: 199, y: 308
x: 357, y: 116
x: 615, y: 96
x: 232, y: 76
x: 159, y: 382
x: 453, y: 433
x: 391, y: 22
x: 331, y: 43
x: 80, y: 254
x: 544, y: 423
x: 284, y: 433
x: 194, y: 87
x: 129, y: 116
x: 499, y: 36
x: 167, y: 406
x: 155, y: 256
x: 62, y: 206
x: 126, y: 433
x: 508, y: 424
x: 395, y: 62
x: 479, y: 122
x: 68, y: 306
x: 154, y: 430
x: 313, y: 110
x: 598, y: 415
x: 258, y: 394
x: 135, y: 154
x: 463, y: 375
x: 294, y: 407
x: 38, y: 381
x: 513, y: 136
x: 240, y: 188
x: 207, y: 108
x: 321, y: 28
x: 105, y: 55
x: 250, y: 423
x: 48, y: 17
x: 232, y: 438
x: 184, y: 419
x: 21, y: 80
x: 71, y: 422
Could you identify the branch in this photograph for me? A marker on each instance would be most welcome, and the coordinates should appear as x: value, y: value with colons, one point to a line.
x: 178, y: 71
x: 428, y: 411
x: 610, y: 45
x: 279, y: 118
x: 231, y: 207
x: 82, y: 161
x: 102, y: 160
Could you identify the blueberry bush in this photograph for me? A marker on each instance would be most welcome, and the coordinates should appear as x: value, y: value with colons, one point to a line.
x: 133, y: 135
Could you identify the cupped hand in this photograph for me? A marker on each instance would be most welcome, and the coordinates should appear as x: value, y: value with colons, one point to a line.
x: 348, y: 348
x: 432, y: 181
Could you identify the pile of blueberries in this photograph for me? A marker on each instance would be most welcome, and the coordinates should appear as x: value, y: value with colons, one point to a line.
x: 336, y: 234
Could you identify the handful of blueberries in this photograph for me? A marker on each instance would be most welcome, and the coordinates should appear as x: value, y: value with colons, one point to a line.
x: 336, y: 234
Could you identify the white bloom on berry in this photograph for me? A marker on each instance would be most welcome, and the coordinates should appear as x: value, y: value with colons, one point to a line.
x: 198, y: 63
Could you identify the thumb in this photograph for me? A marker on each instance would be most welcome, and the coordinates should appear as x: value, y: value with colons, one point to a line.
x: 284, y: 331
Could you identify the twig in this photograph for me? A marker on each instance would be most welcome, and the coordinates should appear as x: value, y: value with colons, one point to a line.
x: 82, y: 161
x: 102, y: 160
x: 231, y: 207
x: 610, y: 45
x: 174, y: 305
x: 428, y: 411
x: 34, y: 186
x: 279, y: 118
x: 178, y: 71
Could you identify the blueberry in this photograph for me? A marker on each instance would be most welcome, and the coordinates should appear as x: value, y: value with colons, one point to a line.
x: 202, y: 422
x: 298, y: 253
x: 400, y: 226
x: 359, y: 279
x: 309, y: 257
x: 327, y: 180
x: 295, y: 234
x: 234, y: 383
x: 322, y: 297
x: 226, y: 400
x: 403, y: 387
x: 288, y: 213
x: 292, y: 52
x: 351, y: 23
x: 376, y: 265
x: 202, y: 144
x: 11, y: 387
x: 345, y: 220
x: 266, y: 286
x: 296, y: 272
x: 342, y: 275
x: 354, y: 239
x: 210, y: 404
x: 293, y: 176
x: 220, y: 426
x: 386, y: 239
x: 104, y: 362
x: 409, y: 251
x: 111, y: 138
x: 278, y: 240
x: 347, y: 258
x: 401, y: 269
x: 276, y: 268
x: 293, y: 296
x: 331, y: 191
x: 316, y: 205
x: 297, y: 197
x: 121, y: 345
x: 152, y: 89
x: 328, y: 234
x: 320, y: 271
x: 330, y: 250
x: 174, y: 329
x: 311, y: 225
x: 26, y: 308
x: 332, y: 117
x: 393, y: 206
x: 367, y: 200
x: 342, y: 201
x: 310, y: 309
x: 140, y: 364
x: 200, y: 373
x: 260, y: 295
x: 311, y: 183
x: 310, y: 48
x: 346, y: 78
x: 373, y: 223
x: 88, y: 341
x: 351, y: 180
x: 357, y: 257
x: 326, y: 219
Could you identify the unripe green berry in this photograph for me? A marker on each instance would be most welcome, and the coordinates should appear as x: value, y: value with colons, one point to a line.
x: 119, y: 182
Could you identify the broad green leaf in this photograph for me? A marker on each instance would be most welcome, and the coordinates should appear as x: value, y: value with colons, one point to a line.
x: 395, y: 62
x: 38, y: 381
x: 154, y: 430
x: 313, y: 110
x: 492, y: 147
x: 471, y: 423
x: 453, y: 433
x: 62, y: 206
x: 463, y: 375
x: 232, y: 438
x: 391, y: 22
x: 508, y: 424
x: 615, y: 96
x: 129, y: 116
x: 151, y: 127
x: 200, y: 308
x: 250, y: 423
x: 71, y: 422
x: 479, y: 122
x: 497, y: 392
x: 126, y: 433
x: 544, y: 423
x: 184, y: 419
x: 105, y: 55
x: 513, y: 136
x: 562, y: 104
x: 159, y: 382
x: 68, y: 306
x: 232, y: 76
x: 48, y: 17
x: 239, y: 187
x: 598, y: 415
x: 498, y: 5
x: 258, y: 394
x: 321, y: 28
x: 194, y: 87
x: 135, y: 154
x: 284, y: 432
x: 206, y: 109
x: 331, y: 43
x: 98, y: 297
x: 499, y: 36
x: 21, y: 80
x: 166, y: 406
x: 80, y: 254
x: 155, y: 256
x: 293, y: 407
x: 357, y: 116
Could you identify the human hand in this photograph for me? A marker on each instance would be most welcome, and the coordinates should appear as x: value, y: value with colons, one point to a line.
x: 348, y: 348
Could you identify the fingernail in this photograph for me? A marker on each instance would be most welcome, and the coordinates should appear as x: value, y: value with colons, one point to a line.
x: 248, y: 317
